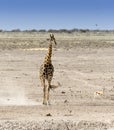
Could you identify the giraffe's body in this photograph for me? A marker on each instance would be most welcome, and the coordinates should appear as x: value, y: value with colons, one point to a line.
x: 46, y: 71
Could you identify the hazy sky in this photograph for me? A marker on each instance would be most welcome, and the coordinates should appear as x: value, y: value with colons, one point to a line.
x: 56, y: 14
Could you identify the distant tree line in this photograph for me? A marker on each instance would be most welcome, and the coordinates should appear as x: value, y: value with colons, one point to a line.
x: 58, y: 30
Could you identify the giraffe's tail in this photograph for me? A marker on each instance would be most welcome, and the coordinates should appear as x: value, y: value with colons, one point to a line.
x: 52, y: 87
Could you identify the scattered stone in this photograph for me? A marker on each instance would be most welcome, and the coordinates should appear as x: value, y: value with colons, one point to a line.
x: 65, y: 101
x: 48, y: 114
x: 63, y: 92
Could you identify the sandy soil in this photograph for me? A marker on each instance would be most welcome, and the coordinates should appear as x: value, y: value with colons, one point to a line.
x: 74, y: 106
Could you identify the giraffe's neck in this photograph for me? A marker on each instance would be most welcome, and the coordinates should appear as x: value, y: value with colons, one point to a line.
x: 48, y: 56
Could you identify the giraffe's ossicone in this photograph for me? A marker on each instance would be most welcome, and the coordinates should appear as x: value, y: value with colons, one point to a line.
x: 47, y: 70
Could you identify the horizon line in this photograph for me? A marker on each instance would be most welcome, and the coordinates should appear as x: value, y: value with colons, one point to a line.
x: 46, y: 30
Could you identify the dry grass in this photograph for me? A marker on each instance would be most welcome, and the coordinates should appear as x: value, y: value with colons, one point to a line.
x: 24, y: 40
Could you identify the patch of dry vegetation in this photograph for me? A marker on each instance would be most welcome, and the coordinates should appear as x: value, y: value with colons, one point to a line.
x: 24, y: 40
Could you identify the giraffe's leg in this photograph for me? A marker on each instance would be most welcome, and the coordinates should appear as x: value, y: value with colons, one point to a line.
x: 44, y: 91
x: 48, y: 96
x: 49, y: 85
x: 45, y: 99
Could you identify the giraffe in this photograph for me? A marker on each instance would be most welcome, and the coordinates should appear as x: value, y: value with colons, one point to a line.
x: 46, y: 71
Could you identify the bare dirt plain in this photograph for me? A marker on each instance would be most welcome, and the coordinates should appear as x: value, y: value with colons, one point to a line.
x: 84, y: 64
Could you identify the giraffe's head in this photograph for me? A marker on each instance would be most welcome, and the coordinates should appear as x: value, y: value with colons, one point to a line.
x: 52, y: 38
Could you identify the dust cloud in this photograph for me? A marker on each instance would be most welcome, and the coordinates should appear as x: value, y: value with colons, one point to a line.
x: 12, y: 94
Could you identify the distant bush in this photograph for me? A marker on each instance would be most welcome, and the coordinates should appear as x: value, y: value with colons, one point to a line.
x: 84, y: 30
x: 16, y: 30
x: 42, y: 30
x: 26, y: 30
x: 59, y: 30
x: 74, y: 30
x: 53, y: 31
x: 63, y: 30
x: 1, y: 30
x: 33, y: 30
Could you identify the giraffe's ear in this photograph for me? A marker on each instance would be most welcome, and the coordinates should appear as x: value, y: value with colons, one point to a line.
x: 51, y: 35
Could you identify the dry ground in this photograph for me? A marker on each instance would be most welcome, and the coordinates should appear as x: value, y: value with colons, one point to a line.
x: 83, y: 64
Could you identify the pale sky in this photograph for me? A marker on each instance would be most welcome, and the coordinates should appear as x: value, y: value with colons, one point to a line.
x: 56, y: 14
